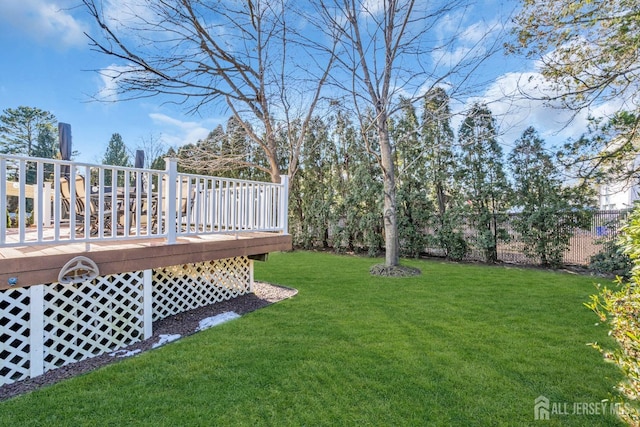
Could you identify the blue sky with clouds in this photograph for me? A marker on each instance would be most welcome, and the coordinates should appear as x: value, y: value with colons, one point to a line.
x: 47, y: 63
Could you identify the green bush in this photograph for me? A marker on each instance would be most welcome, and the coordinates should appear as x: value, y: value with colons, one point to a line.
x: 612, y: 260
x: 453, y: 243
x: 619, y: 307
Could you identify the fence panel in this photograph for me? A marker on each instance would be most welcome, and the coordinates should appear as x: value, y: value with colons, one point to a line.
x: 585, y: 243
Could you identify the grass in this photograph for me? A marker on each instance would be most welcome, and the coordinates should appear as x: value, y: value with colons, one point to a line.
x: 458, y: 345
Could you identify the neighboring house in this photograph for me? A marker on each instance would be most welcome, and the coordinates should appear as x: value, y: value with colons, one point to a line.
x: 620, y: 193
x: 617, y: 195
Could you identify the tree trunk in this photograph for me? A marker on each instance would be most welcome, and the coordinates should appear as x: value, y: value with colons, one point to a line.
x: 392, y: 252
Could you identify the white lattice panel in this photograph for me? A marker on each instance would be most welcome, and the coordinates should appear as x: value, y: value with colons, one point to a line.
x: 47, y: 326
x: 14, y: 335
x: 85, y: 320
x: 185, y: 287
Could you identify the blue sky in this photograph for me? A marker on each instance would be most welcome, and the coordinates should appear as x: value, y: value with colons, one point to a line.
x: 47, y: 63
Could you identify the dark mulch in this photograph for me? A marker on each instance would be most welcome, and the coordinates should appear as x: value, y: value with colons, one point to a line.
x: 182, y: 324
x: 394, y: 271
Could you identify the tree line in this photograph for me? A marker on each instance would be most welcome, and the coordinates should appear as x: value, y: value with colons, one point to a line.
x: 447, y: 185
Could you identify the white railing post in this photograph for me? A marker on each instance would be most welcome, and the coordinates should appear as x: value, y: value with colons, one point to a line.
x: 22, y: 200
x: 38, y: 200
x: 284, y: 204
x: 3, y: 200
x: 172, y: 212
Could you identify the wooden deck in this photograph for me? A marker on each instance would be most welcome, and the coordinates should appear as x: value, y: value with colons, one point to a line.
x: 32, y: 265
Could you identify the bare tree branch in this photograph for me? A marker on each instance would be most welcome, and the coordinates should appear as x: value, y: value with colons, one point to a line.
x: 221, y: 55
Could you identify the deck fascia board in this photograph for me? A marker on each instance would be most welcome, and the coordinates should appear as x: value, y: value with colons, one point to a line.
x: 32, y: 267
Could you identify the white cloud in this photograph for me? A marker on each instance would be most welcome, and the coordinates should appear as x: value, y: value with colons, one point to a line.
x: 460, y: 42
x: 372, y: 7
x: 45, y: 21
x: 176, y: 132
x: 109, y: 76
x: 120, y: 14
x: 517, y: 102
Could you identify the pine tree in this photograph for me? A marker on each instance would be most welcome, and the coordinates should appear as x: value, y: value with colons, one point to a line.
x: 357, y: 223
x: 413, y: 205
x: 20, y: 127
x: 315, y: 189
x: 440, y: 165
x: 115, y: 155
x: 484, y: 180
x: 46, y: 147
x: 116, y: 152
x: 549, y: 212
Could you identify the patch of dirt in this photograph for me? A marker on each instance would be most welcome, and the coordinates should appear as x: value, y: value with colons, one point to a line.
x: 182, y: 324
x: 394, y: 271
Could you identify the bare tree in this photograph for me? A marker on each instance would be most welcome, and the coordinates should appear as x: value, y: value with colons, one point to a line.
x: 153, y: 148
x: 246, y: 57
x: 391, y: 49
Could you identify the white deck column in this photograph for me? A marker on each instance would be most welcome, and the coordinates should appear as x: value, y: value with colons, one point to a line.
x: 36, y: 328
x: 147, y: 303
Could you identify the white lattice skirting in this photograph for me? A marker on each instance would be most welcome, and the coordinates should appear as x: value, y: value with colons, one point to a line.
x: 44, y: 327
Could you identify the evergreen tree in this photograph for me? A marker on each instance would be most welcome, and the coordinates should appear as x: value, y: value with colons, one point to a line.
x: 344, y: 138
x: 440, y: 166
x: 357, y: 224
x: 482, y: 175
x: 550, y: 213
x: 413, y: 204
x: 363, y: 203
x: 20, y: 128
x: 46, y: 147
x: 115, y: 155
x: 315, y: 187
x: 116, y: 152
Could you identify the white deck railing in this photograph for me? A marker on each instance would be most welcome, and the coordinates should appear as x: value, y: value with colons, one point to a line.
x: 48, y: 204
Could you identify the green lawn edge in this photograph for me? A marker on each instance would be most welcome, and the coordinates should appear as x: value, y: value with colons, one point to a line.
x: 458, y: 345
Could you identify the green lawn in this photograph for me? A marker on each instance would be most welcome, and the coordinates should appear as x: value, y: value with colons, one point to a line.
x: 459, y: 345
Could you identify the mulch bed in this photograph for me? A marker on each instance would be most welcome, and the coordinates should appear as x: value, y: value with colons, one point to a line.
x: 182, y: 324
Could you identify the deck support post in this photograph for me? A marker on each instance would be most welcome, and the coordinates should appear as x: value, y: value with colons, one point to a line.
x: 36, y: 330
x: 147, y: 303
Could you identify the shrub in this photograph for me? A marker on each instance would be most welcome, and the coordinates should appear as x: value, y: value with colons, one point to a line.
x: 611, y: 259
x: 453, y: 243
x: 620, y: 309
